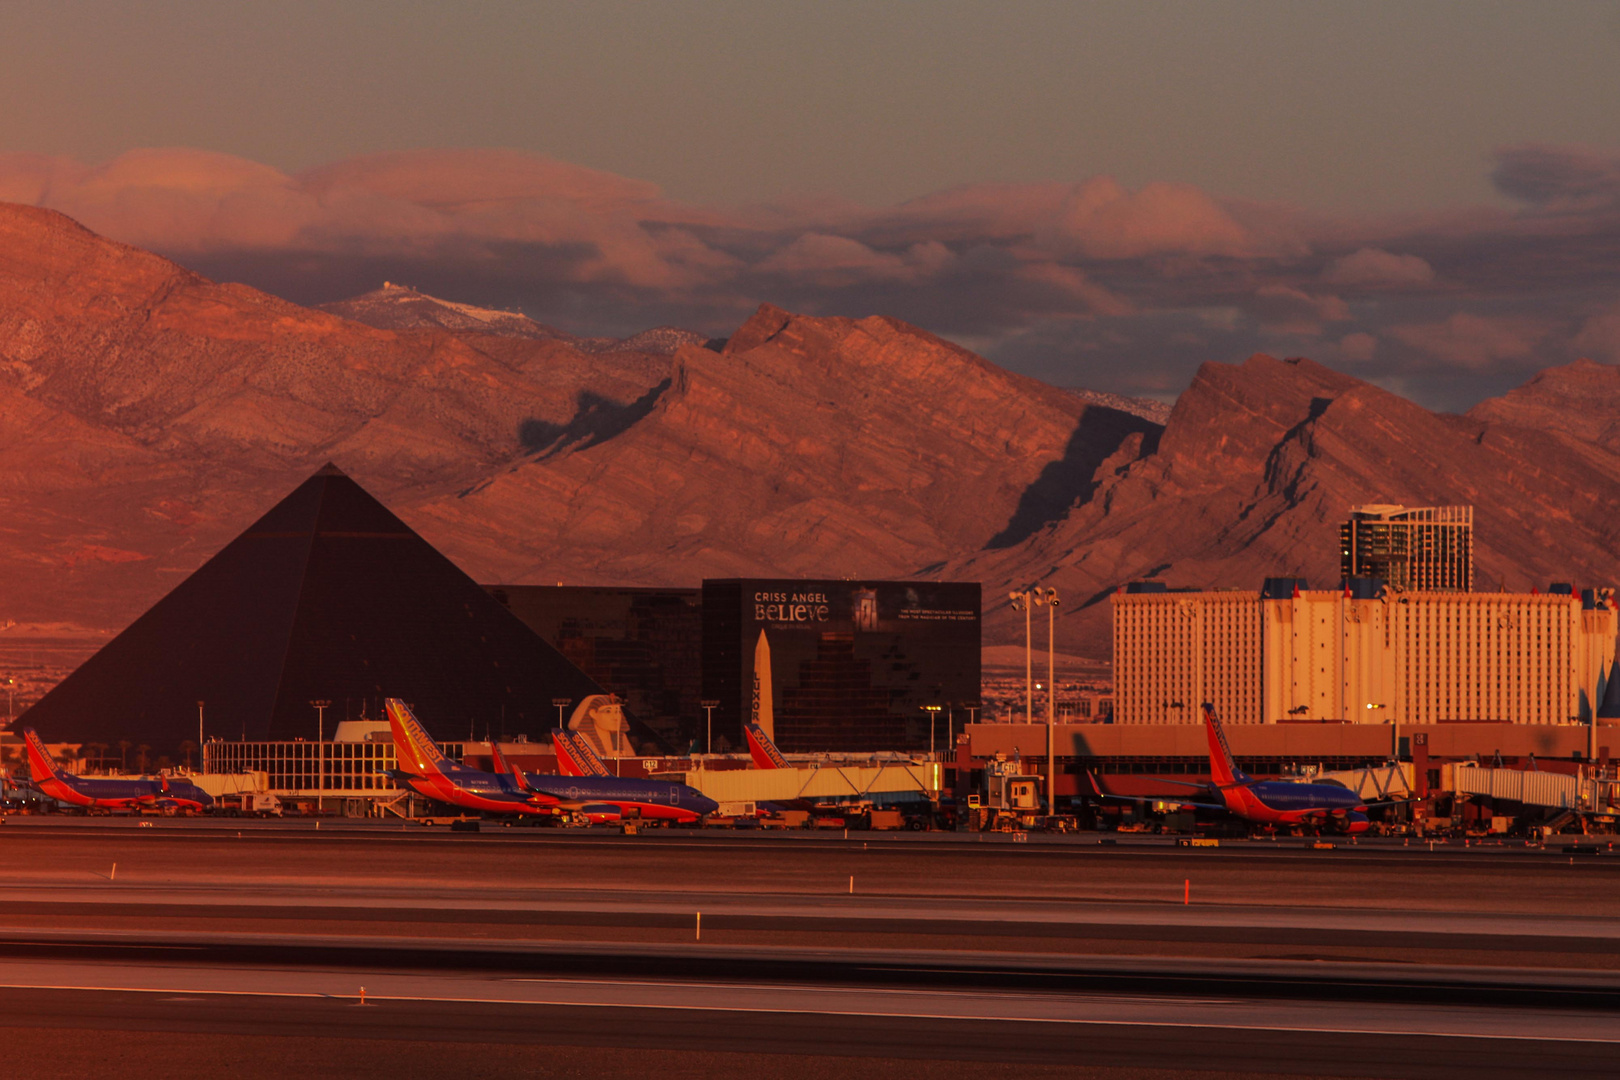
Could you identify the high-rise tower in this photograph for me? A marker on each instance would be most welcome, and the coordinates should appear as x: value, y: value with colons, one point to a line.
x: 1428, y: 548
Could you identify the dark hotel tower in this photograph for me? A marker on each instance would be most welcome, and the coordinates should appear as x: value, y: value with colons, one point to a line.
x: 644, y: 644
x: 1423, y: 549
x: 853, y: 663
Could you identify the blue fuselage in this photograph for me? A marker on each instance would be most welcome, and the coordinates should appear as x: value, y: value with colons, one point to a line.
x: 1280, y: 795
x: 497, y: 792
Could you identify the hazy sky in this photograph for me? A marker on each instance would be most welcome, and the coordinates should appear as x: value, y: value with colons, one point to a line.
x: 1339, y: 106
x: 767, y: 151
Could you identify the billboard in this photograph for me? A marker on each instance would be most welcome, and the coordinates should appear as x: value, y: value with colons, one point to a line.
x: 846, y: 665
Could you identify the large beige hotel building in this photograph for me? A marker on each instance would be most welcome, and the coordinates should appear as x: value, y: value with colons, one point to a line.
x: 1363, y: 653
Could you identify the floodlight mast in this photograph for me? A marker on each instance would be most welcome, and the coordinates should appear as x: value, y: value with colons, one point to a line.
x: 1021, y: 602
x: 709, y: 705
x: 1049, y: 597
x: 320, y: 707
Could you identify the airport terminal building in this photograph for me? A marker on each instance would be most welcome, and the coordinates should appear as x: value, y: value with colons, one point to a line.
x: 1362, y: 654
x: 842, y: 665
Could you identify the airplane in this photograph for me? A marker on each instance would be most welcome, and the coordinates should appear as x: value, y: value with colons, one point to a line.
x: 1266, y: 802
x: 574, y: 755
x: 509, y: 790
x: 107, y: 794
x: 762, y: 748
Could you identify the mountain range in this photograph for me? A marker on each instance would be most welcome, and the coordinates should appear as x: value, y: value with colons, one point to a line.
x: 148, y: 414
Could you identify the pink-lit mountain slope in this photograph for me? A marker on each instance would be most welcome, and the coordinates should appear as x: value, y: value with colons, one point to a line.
x: 1259, y: 462
x: 813, y: 446
x: 147, y: 414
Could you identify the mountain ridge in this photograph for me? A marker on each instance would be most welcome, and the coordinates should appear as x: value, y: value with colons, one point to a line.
x: 147, y: 414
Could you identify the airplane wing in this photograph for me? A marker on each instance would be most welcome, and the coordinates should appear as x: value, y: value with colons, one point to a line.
x: 1101, y: 794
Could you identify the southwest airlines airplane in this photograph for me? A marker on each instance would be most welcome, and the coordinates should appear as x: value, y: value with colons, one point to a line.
x: 1267, y: 802
x: 99, y: 794
x: 509, y: 790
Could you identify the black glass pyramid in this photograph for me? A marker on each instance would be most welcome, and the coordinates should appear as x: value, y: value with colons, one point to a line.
x: 328, y: 597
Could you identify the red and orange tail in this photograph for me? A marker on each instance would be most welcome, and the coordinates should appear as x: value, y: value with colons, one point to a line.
x: 574, y: 755
x: 1222, y: 769
x: 503, y: 766
x: 762, y: 749
x: 560, y: 745
x: 415, y: 751
x: 40, y: 765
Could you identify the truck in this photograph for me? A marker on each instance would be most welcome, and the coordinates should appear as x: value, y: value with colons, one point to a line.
x: 251, y: 804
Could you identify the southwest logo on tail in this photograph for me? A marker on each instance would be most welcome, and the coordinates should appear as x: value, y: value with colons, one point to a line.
x: 503, y: 768
x: 107, y: 794
x: 425, y: 769
x: 762, y: 748
x: 574, y: 754
x: 417, y: 752
x: 1266, y: 802
x: 40, y: 766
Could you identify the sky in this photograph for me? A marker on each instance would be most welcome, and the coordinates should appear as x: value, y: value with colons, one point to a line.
x: 1101, y: 195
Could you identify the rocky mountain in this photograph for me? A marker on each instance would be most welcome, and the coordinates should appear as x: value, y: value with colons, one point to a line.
x: 147, y: 414
x: 400, y: 307
x: 1259, y: 462
x: 1581, y: 400
x: 811, y: 446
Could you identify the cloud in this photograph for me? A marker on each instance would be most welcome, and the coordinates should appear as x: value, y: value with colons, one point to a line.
x: 1375, y: 267
x: 1559, y: 179
x: 30, y: 178
x: 1474, y: 341
x: 838, y: 260
x: 1358, y: 348
x: 1600, y: 336
x: 1283, y: 309
x: 1101, y: 220
x: 1084, y: 281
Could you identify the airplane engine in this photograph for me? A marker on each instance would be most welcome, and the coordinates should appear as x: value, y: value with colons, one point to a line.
x: 1351, y: 822
x: 596, y: 813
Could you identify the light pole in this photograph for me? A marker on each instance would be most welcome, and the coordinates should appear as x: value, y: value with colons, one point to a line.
x: 200, y: 743
x: 561, y: 703
x: 1394, y: 731
x: 320, y: 742
x: 1049, y: 597
x: 1021, y: 602
x: 933, y: 716
x: 709, y: 705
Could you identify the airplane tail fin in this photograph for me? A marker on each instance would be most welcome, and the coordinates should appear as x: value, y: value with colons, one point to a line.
x: 1222, y: 769
x: 502, y: 766
x: 414, y: 749
x: 574, y: 754
x: 40, y: 765
x: 762, y: 748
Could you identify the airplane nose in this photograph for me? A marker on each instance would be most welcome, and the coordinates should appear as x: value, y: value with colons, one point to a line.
x: 706, y: 805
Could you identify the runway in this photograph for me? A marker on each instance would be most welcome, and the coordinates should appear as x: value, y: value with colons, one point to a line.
x: 467, y: 1013
x: 584, y: 953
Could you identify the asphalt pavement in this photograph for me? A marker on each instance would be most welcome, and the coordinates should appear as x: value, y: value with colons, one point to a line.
x: 909, y: 955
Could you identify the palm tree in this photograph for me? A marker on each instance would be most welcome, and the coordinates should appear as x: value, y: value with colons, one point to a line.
x: 140, y: 757
x: 100, y: 757
x: 123, y: 755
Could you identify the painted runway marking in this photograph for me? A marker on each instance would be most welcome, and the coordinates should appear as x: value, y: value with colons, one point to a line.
x: 866, y: 1014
